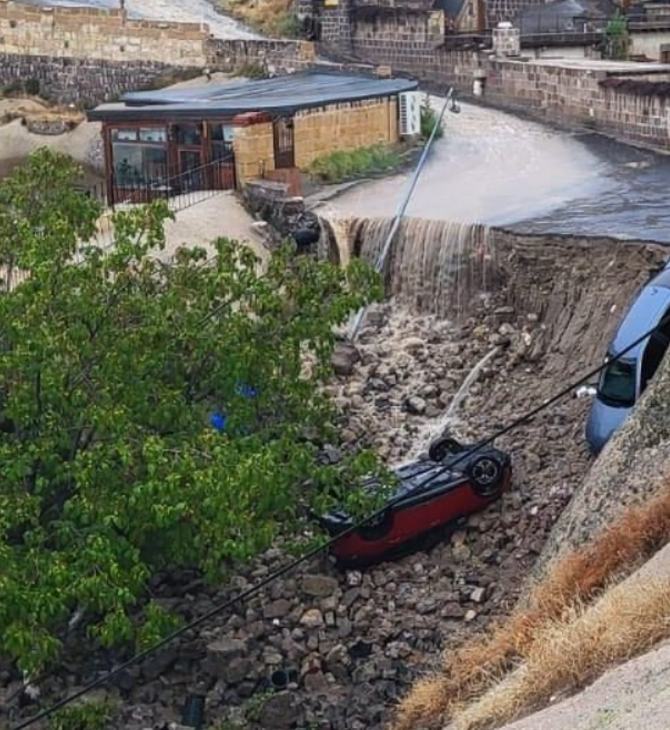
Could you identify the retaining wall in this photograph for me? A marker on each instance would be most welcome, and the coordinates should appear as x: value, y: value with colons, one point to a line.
x: 85, y: 56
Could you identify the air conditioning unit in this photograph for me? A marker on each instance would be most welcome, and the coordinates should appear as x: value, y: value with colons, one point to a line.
x: 410, y: 113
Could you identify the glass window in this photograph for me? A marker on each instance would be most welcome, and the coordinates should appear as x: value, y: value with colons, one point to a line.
x: 153, y: 134
x: 124, y: 135
x: 617, y: 383
x: 188, y: 134
x: 138, y: 164
x: 222, y: 132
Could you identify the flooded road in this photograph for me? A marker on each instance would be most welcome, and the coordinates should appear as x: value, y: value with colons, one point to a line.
x: 497, y: 169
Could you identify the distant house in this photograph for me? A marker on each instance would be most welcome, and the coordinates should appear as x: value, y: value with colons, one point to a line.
x: 217, y: 136
x: 565, y: 16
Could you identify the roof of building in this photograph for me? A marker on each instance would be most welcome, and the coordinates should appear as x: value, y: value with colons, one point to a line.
x: 452, y: 8
x: 280, y: 95
x: 563, y: 15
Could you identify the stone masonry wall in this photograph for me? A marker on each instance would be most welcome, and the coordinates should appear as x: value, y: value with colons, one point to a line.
x: 254, y: 149
x: 81, y: 82
x: 344, y: 127
x: 571, y: 96
x: 273, y: 55
x: 86, y: 56
x: 99, y: 35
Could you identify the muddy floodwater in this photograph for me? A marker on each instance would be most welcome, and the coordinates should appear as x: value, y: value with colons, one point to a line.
x: 498, y: 169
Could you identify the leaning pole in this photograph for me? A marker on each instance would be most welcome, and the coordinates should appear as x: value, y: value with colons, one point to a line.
x: 380, y: 262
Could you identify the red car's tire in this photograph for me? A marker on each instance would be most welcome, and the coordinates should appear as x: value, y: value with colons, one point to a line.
x: 378, y: 527
x: 443, y: 447
x: 486, y: 475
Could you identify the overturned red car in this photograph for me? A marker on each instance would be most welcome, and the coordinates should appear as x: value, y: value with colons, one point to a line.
x: 455, y: 481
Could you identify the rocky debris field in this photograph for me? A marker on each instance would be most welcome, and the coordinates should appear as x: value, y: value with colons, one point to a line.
x: 327, y: 649
x: 330, y: 649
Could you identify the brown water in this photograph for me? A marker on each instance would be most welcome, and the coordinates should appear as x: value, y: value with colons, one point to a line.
x: 435, y: 266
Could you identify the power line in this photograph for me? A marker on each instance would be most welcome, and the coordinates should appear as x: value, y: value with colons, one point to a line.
x: 252, y: 590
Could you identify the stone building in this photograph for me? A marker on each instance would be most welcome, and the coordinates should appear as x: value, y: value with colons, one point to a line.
x: 218, y: 136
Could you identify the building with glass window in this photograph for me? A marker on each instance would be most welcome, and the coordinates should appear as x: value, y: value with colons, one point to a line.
x: 217, y: 136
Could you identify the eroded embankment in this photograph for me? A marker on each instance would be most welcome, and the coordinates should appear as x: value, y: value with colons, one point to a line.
x: 350, y: 644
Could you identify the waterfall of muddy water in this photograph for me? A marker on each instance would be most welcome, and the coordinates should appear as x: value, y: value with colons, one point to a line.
x: 334, y: 241
x: 434, y: 266
x: 449, y: 419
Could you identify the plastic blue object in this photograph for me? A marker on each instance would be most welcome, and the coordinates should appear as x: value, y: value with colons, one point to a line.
x: 219, y: 421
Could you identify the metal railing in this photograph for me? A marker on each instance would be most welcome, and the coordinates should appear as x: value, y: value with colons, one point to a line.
x: 181, y: 190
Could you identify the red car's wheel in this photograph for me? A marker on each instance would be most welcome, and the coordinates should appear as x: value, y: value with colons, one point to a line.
x: 377, y: 527
x: 486, y: 475
x: 443, y: 447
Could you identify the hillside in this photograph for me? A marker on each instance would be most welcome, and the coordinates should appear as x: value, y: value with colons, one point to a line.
x: 600, y: 601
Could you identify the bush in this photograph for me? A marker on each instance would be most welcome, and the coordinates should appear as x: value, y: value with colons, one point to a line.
x: 251, y: 71
x: 32, y: 87
x: 87, y: 715
x: 339, y: 167
x: 428, y: 120
x: 287, y: 25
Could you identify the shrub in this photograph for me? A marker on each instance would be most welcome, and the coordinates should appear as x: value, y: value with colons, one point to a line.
x: 32, y: 87
x: 287, y: 25
x: 251, y: 71
x: 428, y: 120
x: 341, y: 166
x: 87, y: 715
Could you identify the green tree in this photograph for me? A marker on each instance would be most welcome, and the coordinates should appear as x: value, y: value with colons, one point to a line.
x: 616, y: 33
x: 111, y: 362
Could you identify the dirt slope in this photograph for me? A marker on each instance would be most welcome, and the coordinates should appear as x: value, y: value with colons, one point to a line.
x: 629, y: 697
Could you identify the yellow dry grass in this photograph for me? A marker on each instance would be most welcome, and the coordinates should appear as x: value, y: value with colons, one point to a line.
x: 573, y: 651
x: 261, y: 14
x: 475, y: 666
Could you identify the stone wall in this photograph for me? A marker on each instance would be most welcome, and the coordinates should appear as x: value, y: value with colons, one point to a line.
x: 99, y: 35
x: 254, y: 146
x: 630, y: 102
x: 344, y: 127
x: 81, y: 82
x: 85, y: 56
x: 275, y: 56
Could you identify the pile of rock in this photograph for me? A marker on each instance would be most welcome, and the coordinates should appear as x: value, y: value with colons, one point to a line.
x: 329, y: 649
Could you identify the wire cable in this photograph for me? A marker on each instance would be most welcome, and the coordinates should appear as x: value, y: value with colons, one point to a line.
x: 256, y: 588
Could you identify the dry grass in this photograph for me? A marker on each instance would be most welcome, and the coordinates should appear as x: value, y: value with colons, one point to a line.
x: 472, y: 668
x: 271, y: 17
x: 569, y: 653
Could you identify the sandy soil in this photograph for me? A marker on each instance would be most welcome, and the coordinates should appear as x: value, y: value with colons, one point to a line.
x: 220, y: 216
x: 16, y: 143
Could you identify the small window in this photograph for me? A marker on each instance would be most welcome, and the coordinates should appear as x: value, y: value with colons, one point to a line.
x: 153, y: 134
x: 124, y: 135
x: 188, y: 134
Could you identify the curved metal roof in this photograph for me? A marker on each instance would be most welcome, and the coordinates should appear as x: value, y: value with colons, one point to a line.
x: 282, y: 94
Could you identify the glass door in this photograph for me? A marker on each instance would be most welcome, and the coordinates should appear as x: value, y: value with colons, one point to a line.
x: 190, y: 170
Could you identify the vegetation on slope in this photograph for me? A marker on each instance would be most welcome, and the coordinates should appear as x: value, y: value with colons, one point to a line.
x: 111, y: 363
x: 553, y: 635
x: 270, y: 17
